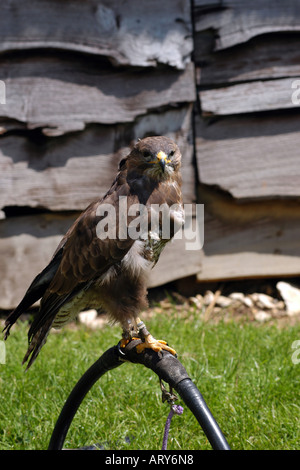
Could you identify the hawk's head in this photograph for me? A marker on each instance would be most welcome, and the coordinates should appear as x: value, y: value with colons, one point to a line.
x: 157, y: 157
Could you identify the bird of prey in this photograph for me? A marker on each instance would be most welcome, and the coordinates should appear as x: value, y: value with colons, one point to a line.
x: 89, y: 270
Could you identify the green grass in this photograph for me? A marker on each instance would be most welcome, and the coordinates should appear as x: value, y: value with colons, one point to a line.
x: 244, y: 371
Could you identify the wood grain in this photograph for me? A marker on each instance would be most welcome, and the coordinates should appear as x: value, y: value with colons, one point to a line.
x: 250, y: 157
x: 264, y: 57
x: 135, y: 33
x: 63, y: 95
x: 235, y: 22
x: 68, y: 172
x: 260, y: 248
x: 249, y: 97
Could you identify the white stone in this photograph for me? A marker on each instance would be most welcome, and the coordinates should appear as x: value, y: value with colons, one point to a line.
x: 208, y: 297
x: 237, y: 296
x: 195, y: 302
x: 248, y: 301
x: 223, y: 301
x: 240, y: 297
x: 264, y: 300
x: 262, y: 316
x: 291, y: 297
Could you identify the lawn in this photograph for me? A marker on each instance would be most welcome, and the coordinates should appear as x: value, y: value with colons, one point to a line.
x: 243, y: 369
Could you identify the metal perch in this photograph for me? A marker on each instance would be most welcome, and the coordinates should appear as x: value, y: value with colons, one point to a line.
x: 165, y: 365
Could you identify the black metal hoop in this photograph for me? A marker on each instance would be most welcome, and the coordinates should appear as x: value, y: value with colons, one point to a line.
x: 165, y: 365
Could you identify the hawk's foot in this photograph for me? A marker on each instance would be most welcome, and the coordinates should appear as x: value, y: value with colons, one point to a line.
x: 140, y: 332
x: 150, y: 342
x: 155, y: 344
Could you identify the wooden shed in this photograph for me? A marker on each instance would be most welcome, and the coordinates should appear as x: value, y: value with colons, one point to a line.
x: 85, y: 79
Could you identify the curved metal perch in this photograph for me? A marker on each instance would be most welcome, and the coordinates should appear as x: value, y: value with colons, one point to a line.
x: 165, y: 365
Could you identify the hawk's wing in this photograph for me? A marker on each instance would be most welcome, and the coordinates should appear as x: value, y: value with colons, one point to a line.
x: 85, y: 257
x: 80, y: 258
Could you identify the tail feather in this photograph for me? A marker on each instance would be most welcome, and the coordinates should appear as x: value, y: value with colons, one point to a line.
x: 37, y: 342
x: 40, y: 327
x: 35, y: 291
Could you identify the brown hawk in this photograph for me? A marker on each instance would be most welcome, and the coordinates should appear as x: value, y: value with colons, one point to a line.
x: 91, y: 270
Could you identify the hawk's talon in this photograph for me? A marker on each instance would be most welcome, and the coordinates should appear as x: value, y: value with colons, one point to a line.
x: 154, y: 344
x: 124, y: 342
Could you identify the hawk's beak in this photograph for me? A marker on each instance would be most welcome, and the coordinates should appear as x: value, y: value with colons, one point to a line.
x: 162, y: 159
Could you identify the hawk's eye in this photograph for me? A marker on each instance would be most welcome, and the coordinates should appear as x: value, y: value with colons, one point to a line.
x: 171, y: 154
x: 147, y: 156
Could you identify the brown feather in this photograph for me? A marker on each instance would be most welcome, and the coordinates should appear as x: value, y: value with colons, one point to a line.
x: 110, y: 273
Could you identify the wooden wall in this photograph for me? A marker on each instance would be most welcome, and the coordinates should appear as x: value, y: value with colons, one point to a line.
x: 247, y: 55
x: 85, y: 80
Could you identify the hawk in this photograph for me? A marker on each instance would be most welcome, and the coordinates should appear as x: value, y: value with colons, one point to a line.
x: 91, y: 270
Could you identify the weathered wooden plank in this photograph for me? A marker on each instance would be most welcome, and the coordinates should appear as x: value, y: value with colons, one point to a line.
x: 207, y: 4
x: 176, y: 262
x: 263, y: 57
x: 247, y: 265
x: 249, y: 97
x: 7, y: 125
x: 68, y: 172
x: 222, y: 206
x: 27, y: 244
x: 138, y: 33
x: 64, y: 95
x: 235, y: 22
x: 259, y: 248
x: 250, y: 157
